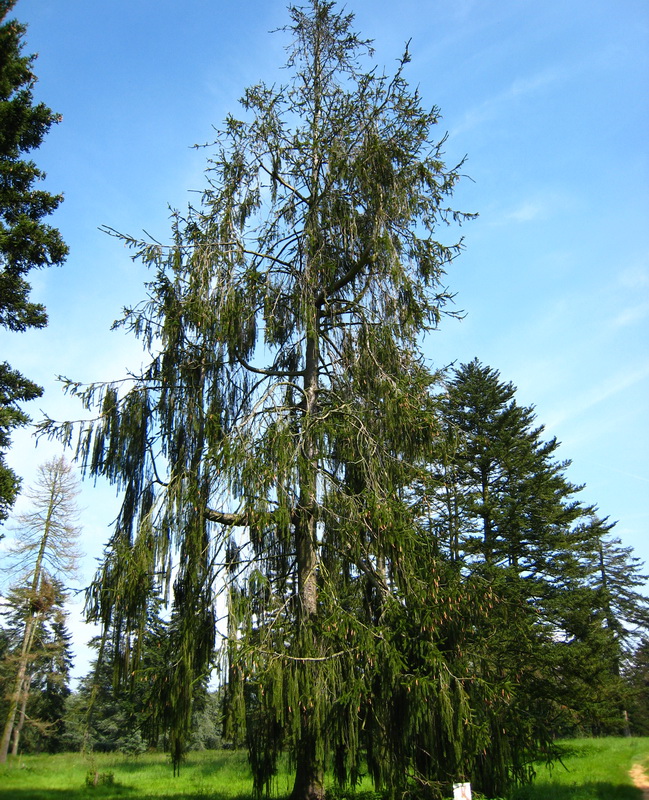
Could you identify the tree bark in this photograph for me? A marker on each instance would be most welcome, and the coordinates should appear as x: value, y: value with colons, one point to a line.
x: 21, y: 716
x: 309, y: 774
x: 17, y: 690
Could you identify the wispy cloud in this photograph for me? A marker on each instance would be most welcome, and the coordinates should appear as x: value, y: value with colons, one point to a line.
x: 521, y: 87
x: 524, y: 86
x: 631, y: 315
x: 599, y: 393
x: 636, y: 276
x: 540, y: 205
x: 526, y: 212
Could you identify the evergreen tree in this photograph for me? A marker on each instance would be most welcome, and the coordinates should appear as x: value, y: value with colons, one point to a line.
x: 284, y: 324
x: 615, y: 576
x: 100, y: 717
x: 26, y: 242
x: 45, y: 551
x: 636, y: 674
x: 122, y: 704
x: 511, y: 505
x: 501, y: 509
x: 503, y: 513
x: 617, y: 617
x: 39, y: 722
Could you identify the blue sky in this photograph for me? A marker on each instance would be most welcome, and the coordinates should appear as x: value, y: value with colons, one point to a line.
x: 549, y: 101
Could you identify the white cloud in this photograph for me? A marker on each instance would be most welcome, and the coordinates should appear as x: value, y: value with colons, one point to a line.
x: 598, y: 393
x: 631, y: 315
x: 541, y: 205
x: 635, y: 276
x: 492, y: 106
x: 524, y: 86
x: 527, y: 211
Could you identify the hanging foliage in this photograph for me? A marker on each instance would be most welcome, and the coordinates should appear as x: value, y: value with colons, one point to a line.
x: 268, y: 445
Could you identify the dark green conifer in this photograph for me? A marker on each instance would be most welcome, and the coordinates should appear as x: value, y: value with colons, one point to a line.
x: 39, y: 723
x: 26, y: 242
x: 502, y: 510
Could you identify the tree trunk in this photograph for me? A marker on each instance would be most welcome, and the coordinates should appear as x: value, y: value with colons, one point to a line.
x: 11, y: 716
x: 309, y: 772
x: 21, y: 716
x: 17, y: 693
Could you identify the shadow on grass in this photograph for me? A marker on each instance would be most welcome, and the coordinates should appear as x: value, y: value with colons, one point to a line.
x: 207, y: 767
x: 595, y: 790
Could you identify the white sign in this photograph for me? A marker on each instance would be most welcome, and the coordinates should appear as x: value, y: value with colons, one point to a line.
x: 461, y: 791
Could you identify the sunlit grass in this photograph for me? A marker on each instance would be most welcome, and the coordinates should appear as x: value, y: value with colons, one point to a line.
x: 221, y: 775
x: 593, y: 769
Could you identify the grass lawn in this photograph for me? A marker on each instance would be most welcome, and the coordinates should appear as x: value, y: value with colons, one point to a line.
x: 594, y: 769
x: 218, y: 775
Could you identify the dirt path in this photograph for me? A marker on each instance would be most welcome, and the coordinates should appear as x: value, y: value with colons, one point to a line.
x: 640, y: 780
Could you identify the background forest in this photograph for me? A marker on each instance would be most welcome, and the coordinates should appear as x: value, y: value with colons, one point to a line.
x: 383, y: 566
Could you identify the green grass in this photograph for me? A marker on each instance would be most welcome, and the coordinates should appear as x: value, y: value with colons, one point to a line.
x: 593, y: 769
x: 217, y: 775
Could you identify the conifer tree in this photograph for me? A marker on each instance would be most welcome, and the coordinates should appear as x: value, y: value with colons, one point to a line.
x: 612, y: 616
x: 505, y: 515
x: 615, y: 575
x: 636, y: 674
x: 501, y: 509
x: 119, y: 704
x: 39, y: 723
x: 45, y: 551
x: 513, y: 506
x: 284, y: 396
x: 26, y: 242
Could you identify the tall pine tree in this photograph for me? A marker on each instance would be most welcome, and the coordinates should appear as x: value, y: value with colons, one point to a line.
x: 264, y: 440
x: 502, y: 510
x: 45, y: 551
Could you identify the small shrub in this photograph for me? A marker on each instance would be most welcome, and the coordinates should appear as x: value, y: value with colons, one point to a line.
x: 95, y: 778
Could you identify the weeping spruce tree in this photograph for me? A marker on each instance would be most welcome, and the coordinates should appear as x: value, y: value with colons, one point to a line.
x: 268, y: 444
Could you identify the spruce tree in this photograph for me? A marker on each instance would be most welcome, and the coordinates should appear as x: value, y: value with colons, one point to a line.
x: 284, y: 396
x: 512, y: 505
x: 26, y: 242
x: 505, y: 515
x: 502, y: 510
x: 121, y: 703
x: 614, y: 616
x: 636, y: 675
